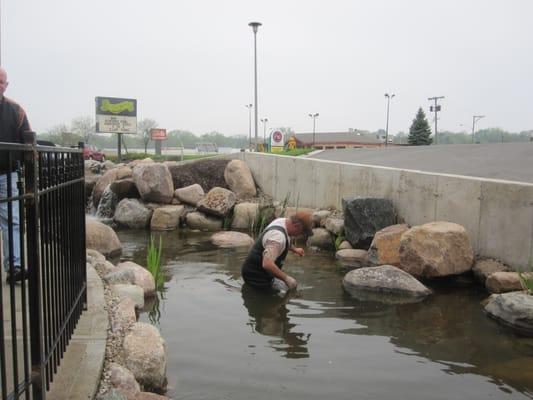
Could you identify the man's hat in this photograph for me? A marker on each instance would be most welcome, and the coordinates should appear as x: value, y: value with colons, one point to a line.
x: 305, y: 219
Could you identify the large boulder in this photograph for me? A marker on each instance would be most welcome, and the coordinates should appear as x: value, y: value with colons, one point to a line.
x: 101, y: 238
x: 208, y: 173
x: 166, y: 218
x: 154, y: 182
x: 125, y: 188
x: 218, y: 202
x: 123, y: 379
x: 322, y: 239
x: 436, y: 249
x: 320, y: 216
x: 202, y: 222
x: 144, y: 355
x: 364, y: 216
x: 514, y: 309
x: 109, y: 177
x: 352, y: 257
x: 131, y: 213
x: 125, y: 315
x: 385, y: 247
x: 190, y: 194
x: 244, y: 215
x: 232, y: 239
x: 502, y: 282
x: 128, y: 291
x: 335, y: 226
x: 386, y: 279
x: 485, y: 267
x: 141, y: 276
x: 239, y: 179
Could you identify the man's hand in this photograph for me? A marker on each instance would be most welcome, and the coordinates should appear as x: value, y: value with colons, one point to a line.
x: 298, y: 251
x: 291, y: 282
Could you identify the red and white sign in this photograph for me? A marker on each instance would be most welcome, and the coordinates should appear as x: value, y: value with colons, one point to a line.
x: 277, y: 138
x: 158, y: 134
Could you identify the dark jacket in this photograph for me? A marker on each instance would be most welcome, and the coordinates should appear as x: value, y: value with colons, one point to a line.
x: 13, y: 123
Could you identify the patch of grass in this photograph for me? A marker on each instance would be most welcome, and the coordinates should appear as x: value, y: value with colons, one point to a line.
x: 141, y: 156
x: 153, y: 262
x: 526, y: 282
x: 295, y: 152
x: 338, y: 240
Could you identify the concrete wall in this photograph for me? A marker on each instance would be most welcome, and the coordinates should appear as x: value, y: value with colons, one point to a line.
x: 497, y: 214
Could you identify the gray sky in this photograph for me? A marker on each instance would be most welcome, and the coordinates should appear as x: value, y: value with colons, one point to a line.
x: 190, y: 63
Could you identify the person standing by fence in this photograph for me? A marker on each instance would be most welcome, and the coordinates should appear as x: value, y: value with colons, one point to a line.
x: 13, y: 123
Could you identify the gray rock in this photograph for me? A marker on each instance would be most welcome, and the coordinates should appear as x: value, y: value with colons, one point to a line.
x: 514, y: 309
x: 103, y: 267
x: 244, y: 215
x: 123, y: 380
x: 202, y: 222
x: 120, y: 275
x: 93, y: 256
x: 133, y: 292
x: 345, y: 245
x: 208, y: 173
x: 485, y: 267
x: 217, y: 202
x: 92, y: 166
x: 232, y: 239
x: 239, y: 179
x: 166, y: 218
x: 144, y: 355
x: 352, y: 257
x: 319, y: 217
x: 125, y: 188
x: 113, y: 394
x: 108, y: 178
x: 107, y: 165
x: 101, y: 238
x: 502, y: 282
x: 190, y: 194
x: 131, y: 213
x: 125, y: 315
x: 154, y: 182
x: 335, y: 226
x: 385, y: 279
x: 364, y: 216
x: 141, y: 277
x: 107, y: 205
x: 322, y: 239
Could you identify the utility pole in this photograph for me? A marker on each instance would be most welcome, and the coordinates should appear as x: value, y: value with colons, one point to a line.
x: 255, y: 26
x: 314, y: 115
x: 475, y: 118
x: 435, y: 108
x: 264, y: 121
x: 249, y: 107
x: 387, y: 130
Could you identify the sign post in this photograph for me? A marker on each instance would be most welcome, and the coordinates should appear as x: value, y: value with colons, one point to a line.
x: 116, y: 115
x: 277, y: 142
x: 158, y: 135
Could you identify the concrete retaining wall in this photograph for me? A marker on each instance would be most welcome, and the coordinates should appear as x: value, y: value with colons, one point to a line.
x: 497, y: 214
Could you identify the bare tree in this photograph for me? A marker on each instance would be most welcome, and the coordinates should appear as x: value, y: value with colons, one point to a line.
x: 84, y: 127
x: 62, y: 135
x: 143, y: 128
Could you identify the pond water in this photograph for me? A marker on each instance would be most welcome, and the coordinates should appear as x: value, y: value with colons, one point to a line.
x: 228, y: 343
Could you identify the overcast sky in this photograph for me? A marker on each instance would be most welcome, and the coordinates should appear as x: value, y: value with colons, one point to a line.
x: 190, y: 63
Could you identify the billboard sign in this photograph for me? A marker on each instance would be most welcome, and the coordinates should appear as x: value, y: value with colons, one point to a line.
x: 116, y: 115
x: 158, y: 134
x: 277, y: 141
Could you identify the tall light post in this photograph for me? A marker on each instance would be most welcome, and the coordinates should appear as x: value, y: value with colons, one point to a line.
x: 475, y: 118
x: 264, y: 121
x: 435, y: 109
x: 255, y: 26
x: 314, y: 125
x: 249, y: 107
x: 389, y: 97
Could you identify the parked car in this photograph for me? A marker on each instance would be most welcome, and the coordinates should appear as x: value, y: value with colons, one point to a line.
x: 91, y: 152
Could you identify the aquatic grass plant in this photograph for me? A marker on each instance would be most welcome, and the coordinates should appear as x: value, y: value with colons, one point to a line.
x: 526, y: 282
x: 267, y: 213
x: 153, y: 262
x: 338, y: 240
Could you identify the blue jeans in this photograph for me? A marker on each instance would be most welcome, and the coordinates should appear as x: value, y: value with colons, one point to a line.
x: 15, y: 223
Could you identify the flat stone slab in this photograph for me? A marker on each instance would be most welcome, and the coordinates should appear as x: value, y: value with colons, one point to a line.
x: 514, y: 309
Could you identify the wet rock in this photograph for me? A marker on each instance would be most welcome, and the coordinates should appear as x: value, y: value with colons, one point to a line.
x: 123, y: 380
x: 166, y: 218
x: 144, y: 355
x: 436, y: 249
x: 232, y: 239
x: 352, y: 257
x: 322, y: 239
x: 132, y: 214
x: 345, y: 245
x: 202, y: 222
x: 319, y: 217
x: 384, y: 279
x: 502, y: 282
x: 218, y: 202
x: 335, y: 226
x: 208, y: 173
x: 514, y: 309
x: 154, y: 182
x: 190, y: 194
x: 385, y: 247
x: 484, y: 267
x: 244, y: 215
x: 107, y: 205
x: 102, y: 238
x: 364, y: 216
x: 108, y: 178
x: 239, y: 179
x: 90, y: 183
x: 133, y: 292
x: 125, y: 188
x: 141, y: 277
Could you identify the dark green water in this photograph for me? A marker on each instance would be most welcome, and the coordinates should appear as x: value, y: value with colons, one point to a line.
x: 224, y: 343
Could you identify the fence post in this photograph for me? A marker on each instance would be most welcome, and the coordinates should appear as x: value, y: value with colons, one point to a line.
x: 31, y: 175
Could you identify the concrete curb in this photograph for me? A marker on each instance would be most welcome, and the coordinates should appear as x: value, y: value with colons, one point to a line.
x: 80, y: 371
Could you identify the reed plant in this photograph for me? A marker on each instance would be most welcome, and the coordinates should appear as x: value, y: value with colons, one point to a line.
x: 153, y: 262
x: 526, y: 282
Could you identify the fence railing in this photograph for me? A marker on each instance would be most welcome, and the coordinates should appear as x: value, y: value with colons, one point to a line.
x: 43, y: 232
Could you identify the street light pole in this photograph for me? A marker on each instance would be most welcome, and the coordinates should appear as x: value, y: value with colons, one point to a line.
x: 249, y: 107
x: 475, y: 118
x: 264, y: 121
x: 436, y: 109
x: 389, y: 97
x: 314, y: 125
x: 255, y: 26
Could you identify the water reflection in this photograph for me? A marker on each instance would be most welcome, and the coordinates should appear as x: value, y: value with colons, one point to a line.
x: 270, y: 317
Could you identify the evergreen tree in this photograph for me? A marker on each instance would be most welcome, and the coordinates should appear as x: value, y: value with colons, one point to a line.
x: 419, y: 132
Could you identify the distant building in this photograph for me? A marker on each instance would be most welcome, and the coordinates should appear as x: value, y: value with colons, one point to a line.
x: 206, y: 148
x: 341, y: 140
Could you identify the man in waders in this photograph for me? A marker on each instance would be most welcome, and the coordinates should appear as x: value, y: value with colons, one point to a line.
x: 265, y: 260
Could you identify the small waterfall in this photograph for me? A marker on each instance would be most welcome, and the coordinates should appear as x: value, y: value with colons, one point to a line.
x: 108, y: 202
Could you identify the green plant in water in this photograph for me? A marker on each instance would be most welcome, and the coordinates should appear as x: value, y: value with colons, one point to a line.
x: 338, y: 240
x: 526, y: 282
x: 153, y: 262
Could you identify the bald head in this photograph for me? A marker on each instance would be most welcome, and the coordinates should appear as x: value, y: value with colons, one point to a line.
x: 3, y: 81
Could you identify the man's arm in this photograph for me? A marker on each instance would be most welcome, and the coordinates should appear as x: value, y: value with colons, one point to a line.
x: 274, y: 270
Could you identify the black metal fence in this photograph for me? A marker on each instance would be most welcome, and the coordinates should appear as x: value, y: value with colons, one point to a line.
x: 43, y: 229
